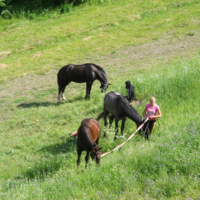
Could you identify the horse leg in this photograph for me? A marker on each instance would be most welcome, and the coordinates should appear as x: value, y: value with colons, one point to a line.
x: 79, y: 157
x: 145, y: 130
x: 59, y: 91
x: 88, y: 89
x: 148, y: 135
x: 63, y: 89
x: 87, y: 158
x: 105, y: 122
x: 116, y: 129
x: 111, y: 120
x: 123, y: 124
x: 62, y: 93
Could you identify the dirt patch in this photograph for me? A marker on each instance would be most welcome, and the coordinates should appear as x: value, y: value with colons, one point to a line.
x: 38, y: 54
x: 158, y: 50
x: 2, y: 66
x: 124, y: 60
x: 4, y: 54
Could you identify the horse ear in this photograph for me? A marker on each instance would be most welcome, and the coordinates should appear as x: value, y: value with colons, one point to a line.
x: 100, y: 148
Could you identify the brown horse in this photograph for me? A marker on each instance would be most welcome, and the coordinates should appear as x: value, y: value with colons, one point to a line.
x: 86, y: 73
x: 88, y: 135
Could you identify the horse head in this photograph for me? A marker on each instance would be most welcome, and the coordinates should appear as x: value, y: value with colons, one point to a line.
x: 96, y: 153
x: 143, y: 121
x: 104, y: 86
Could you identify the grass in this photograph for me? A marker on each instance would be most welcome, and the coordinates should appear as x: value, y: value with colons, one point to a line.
x: 38, y: 158
x: 34, y: 158
x: 90, y: 31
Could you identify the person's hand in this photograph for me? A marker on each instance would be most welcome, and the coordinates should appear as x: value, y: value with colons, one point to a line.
x: 151, y: 117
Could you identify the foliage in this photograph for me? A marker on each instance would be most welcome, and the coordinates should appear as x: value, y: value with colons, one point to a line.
x: 31, y: 9
x: 18, y: 7
x: 2, y: 3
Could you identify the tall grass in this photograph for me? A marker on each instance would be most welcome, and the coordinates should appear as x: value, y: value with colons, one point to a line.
x: 36, y: 163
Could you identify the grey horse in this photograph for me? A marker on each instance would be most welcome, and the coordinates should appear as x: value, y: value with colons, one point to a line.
x: 119, y: 107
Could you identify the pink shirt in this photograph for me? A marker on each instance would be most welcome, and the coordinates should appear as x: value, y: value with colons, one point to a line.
x: 152, y: 111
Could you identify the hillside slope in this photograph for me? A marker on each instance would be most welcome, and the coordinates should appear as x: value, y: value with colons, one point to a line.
x: 155, y: 45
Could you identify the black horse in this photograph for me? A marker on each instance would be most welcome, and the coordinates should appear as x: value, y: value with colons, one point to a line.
x: 88, y: 73
x: 119, y: 108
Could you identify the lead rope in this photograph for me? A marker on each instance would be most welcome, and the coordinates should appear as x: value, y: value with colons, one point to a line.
x: 120, y: 145
x: 117, y: 147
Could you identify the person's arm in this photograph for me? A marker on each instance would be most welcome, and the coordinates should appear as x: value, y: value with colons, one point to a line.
x: 157, y: 116
x: 144, y: 113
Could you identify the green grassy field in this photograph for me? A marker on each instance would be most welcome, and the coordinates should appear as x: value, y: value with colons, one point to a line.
x: 155, y: 45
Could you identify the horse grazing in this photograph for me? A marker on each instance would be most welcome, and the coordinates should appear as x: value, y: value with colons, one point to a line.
x: 88, y: 73
x: 119, y: 108
x: 88, y: 134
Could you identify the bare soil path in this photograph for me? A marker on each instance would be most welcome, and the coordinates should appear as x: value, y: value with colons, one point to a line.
x: 130, y: 58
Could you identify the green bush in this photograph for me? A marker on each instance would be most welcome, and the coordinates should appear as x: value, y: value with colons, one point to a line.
x: 30, y: 9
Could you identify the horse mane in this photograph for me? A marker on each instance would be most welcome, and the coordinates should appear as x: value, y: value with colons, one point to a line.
x: 82, y: 128
x: 123, y: 103
x: 102, y: 73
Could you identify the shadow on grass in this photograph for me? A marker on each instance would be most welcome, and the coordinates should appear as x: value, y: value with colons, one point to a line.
x: 68, y: 146
x: 35, y: 105
x: 47, y: 104
x: 77, y: 98
x: 50, y: 167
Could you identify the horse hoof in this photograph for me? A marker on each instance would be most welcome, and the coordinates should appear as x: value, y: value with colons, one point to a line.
x: 115, y: 137
x: 59, y: 101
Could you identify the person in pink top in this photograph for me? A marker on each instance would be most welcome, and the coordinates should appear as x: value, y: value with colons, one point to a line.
x: 152, y: 111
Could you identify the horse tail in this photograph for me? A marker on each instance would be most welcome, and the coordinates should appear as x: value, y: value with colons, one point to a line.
x: 100, y: 116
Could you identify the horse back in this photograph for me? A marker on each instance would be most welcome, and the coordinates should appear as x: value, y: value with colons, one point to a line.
x: 88, y: 133
x: 117, y: 105
x: 93, y: 128
x: 111, y: 102
x: 76, y: 73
